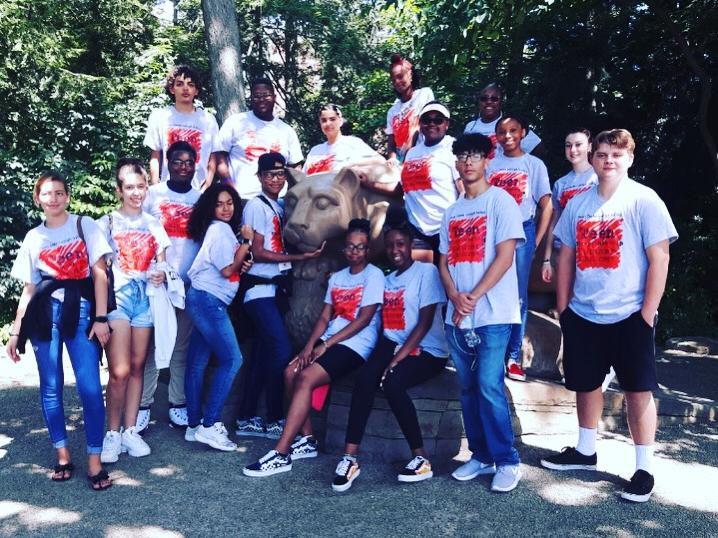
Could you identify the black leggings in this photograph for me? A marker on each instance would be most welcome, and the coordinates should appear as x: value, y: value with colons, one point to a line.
x: 408, y: 373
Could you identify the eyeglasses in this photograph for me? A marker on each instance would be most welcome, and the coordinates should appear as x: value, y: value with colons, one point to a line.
x: 273, y: 174
x: 260, y: 96
x: 463, y: 157
x: 182, y: 164
x: 435, y: 120
x: 350, y: 247
x: 492, y: 98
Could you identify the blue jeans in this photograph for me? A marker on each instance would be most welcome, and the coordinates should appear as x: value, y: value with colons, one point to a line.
x: 487, y: 420
x: 212, y: 333
x: 85, y: 359
x: 270, y: 355
x: 524, y: 256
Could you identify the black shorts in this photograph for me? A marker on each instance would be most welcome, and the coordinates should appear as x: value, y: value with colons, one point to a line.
x: 590, y: 349
x: 339, y: 360
x: 425, y: 242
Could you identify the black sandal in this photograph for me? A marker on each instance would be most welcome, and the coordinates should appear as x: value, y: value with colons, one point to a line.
x: 95, y: 482
x: 62, y: 472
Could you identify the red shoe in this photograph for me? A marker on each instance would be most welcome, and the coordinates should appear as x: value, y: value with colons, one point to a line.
x: 515, y: 372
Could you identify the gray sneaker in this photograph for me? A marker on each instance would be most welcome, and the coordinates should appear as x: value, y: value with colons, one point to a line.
x: 254, y: 427
x: 506, y: 478
x: 275, y: 429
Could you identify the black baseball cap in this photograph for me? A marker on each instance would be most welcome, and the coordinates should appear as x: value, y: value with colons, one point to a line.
x: 271, y: 161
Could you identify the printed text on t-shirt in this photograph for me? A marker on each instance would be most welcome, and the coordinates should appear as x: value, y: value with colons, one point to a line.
x: 321, y: 165
x: 135, y: 250
x: 570, y: 193
x: 598, y: 243
x: 346, y: 302
x: 175, y: 218
x: 416, y: 174
x: 467, y: 240
x: 186, y: 134
x: 512, y: 182
x: 392, y: 311
x: 66, y: 262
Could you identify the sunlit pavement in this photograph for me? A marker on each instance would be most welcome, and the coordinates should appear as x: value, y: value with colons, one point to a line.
x: 186, y: 489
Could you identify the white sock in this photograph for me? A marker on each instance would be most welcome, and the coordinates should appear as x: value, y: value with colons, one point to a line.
x: 587, y: 441
x: 644, y: 458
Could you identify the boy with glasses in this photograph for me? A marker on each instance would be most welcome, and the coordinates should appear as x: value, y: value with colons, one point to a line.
x: 172, y: 202
x: 263, y: 287
x: 245, y: 136
x: 182, y: 121
x: 479, y: 234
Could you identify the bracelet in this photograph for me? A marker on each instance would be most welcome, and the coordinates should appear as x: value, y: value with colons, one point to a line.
x: 547, y: 261
x: 101, y: 319
x: 14, y: 334
x: 247, y: 242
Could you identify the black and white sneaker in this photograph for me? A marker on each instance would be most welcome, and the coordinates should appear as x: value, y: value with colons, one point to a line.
x: 640, y: 488
x: 346, y: 472
x: 304, y: 447
x: 271, y: 463
x: 418, y: 469
x: 570, y: 459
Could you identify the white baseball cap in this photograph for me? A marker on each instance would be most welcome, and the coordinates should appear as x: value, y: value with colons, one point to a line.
x: 435, y: 107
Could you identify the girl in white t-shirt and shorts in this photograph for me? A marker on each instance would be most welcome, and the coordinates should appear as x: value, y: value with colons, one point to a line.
x: 137, y: 239
x: 341, y: 341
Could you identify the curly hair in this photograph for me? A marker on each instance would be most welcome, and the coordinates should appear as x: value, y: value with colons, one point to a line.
x: 472, y: 142
x: 185, y: 71
x: 203, y: 212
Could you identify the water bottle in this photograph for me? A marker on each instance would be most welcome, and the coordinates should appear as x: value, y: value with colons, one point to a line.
x: 472, y: 339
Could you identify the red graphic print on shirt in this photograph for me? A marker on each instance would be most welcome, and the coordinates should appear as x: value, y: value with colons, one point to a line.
x: 416, y: 174
x: 255, y: 149
x: 66, y: 262
x: 186, y: 134
x: 234, y: 277
x: 598, y: 243
x: 277, y: 243
x: 346, y: 302
x: 175, y: 218
x: 570, y: 193
x: 392, y: 311
x: 404, y: 124
x: 512, y: 182
x: 467, y: 240
x: 492, y: 153
x: 135, y: 250
x: 321, y: 165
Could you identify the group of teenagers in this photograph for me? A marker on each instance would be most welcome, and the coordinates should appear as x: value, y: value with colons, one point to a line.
x: 154, y: 281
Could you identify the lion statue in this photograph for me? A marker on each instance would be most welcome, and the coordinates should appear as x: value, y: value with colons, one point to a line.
x: 318, y: 208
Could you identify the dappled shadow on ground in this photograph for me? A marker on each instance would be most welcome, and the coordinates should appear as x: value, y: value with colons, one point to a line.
x: 185, y: 489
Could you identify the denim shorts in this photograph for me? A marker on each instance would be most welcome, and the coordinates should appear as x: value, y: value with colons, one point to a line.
x: 133, y: 305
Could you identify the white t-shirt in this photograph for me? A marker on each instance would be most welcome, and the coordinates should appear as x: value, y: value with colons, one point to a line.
x: 428, y: 180
x: 525, y: 178
x: 477, y: 125
x: 347, y: 293
x: 173, y: 210
x: 610, y: 238
x: 402, y: 120
x: 268, y: 222
x: 326, y: 157
x: 136, y: 241
x: 216, y: 253
x: 168, y: 125
x: 470, y: 231
x: 245, y: 137
x: 404, y: 296
x: 59, y: 253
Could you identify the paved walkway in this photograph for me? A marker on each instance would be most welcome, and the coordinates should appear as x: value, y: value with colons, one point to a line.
x: 188, y: 490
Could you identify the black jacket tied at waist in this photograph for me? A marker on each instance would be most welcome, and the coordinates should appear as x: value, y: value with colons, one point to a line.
x: 282, y: 281
x: 37, y: 321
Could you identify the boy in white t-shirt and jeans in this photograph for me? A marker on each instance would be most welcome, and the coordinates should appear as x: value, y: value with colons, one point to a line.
x: 182, y: 121
x: 478, y: 238
x: 611, y: 275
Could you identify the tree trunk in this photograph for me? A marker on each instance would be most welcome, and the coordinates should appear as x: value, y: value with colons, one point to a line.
x: 225, y: 57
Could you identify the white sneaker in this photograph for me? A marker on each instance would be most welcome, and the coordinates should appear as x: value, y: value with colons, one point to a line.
x: 133, y: 444
x: 111, y: 447
x: 473, y: 468
x: 178, y: 417
x: 189, y: 434
x: 507, y: 478
x: 304, y: 447
x: 143, y: 419
x: 215, y: 436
